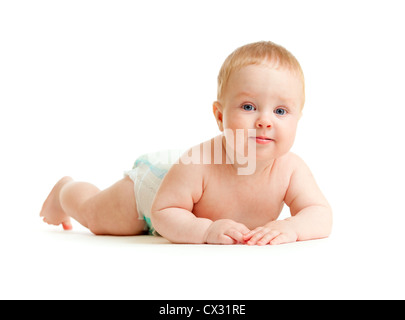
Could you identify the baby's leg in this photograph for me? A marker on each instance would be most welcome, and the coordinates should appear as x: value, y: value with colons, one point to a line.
x: 111, y: 211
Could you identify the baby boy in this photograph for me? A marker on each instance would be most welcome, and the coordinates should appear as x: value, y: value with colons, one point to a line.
x: 228, y: 190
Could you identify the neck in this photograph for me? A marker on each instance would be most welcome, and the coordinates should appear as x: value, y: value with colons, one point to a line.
x: 250, y: 167
x: 264, y: 166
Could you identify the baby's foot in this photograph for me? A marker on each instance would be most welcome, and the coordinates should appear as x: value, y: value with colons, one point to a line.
x: 52, y: 210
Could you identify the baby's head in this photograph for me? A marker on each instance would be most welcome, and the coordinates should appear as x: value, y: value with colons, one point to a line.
x: 260, y: 94
x: 263, y: 52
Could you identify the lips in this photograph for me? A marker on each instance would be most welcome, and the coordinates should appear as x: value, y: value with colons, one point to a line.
x: 263, y: 139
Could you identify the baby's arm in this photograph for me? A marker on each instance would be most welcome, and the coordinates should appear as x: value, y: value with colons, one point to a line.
x: 172, y: 210
x: 311, y: 215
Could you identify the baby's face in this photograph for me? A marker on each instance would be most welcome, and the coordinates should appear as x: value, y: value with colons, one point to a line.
x: 266, y: 99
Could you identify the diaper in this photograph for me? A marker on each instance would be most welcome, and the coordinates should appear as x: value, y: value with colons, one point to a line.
x: 147, y: 174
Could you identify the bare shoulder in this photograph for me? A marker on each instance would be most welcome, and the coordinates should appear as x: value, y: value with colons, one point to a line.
x: 293, y: 158
x: 291, y: 162
x: 297, y: 168
x: 182, y: 186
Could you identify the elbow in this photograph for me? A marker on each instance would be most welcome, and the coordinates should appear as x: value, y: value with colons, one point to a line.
x: 320, y: 222
x: 327, y: 222
x: 161, y: 223
x: 156, y: 218
x: 326, y: 232
x: 156, y: 215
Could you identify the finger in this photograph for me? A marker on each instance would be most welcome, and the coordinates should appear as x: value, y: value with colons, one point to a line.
x: 280, y: 239
x: 224, y: 239
x: 243, y: 229
x: 257, y: 236
x: 248, y: 235
x: 251, y: 233
x: 268, y: 237
x: 235, y: 234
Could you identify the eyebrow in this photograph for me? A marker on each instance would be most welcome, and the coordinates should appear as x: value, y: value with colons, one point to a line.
x: 245, y: 94
x: 250, y: 95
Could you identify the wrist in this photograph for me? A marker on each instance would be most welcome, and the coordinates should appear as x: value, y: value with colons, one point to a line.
x: 209, y: 223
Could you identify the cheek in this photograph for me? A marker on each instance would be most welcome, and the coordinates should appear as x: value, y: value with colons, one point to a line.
x: 289, y: 135
x: 233, y: 121
x: 238, y: 141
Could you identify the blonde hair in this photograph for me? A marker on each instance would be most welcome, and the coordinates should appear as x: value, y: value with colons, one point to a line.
x: 258, y: 53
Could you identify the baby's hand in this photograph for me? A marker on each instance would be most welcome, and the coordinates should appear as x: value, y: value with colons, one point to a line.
x: 225, y: 231
x: 275, y: 232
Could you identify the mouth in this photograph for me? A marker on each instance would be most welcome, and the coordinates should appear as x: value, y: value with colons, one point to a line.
x: 263, y: 139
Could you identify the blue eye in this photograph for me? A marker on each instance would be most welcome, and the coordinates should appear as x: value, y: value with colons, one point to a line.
x: 280, y: 112
x: 248, y: 107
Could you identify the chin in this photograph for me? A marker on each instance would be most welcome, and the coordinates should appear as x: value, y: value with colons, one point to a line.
x: 266, y: 156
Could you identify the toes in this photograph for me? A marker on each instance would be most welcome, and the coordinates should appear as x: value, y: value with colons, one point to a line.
x: 67, y: 225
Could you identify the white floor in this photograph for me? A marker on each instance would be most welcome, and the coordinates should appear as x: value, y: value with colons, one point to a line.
x: 87, y: 98
x: 42, y: 262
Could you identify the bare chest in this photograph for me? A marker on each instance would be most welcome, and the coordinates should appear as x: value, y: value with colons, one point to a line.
x: 248, y: 202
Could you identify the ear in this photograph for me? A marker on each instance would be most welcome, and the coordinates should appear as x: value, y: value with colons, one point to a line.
x: 217, y: 109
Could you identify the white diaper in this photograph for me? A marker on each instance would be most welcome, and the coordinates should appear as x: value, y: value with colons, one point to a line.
x: 147, y: 175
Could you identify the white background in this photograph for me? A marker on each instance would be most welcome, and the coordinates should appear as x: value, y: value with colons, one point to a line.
x: 87, y: 86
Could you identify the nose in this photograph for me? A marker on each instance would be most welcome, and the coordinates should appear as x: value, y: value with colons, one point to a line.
x: 263, y: 122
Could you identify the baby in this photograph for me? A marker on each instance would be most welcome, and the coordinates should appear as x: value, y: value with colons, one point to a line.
x: 228, y: 190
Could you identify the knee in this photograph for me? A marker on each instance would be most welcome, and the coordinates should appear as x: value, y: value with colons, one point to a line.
x: 96, y: 227
x: 93, y: 222
x: 97, y: 230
